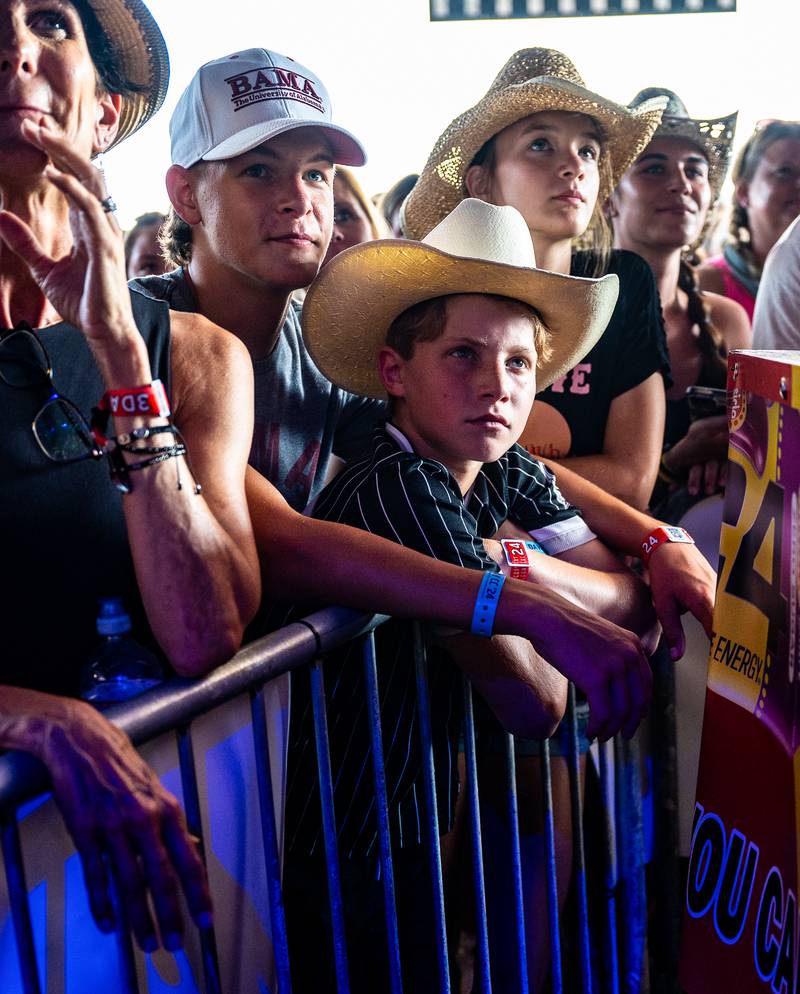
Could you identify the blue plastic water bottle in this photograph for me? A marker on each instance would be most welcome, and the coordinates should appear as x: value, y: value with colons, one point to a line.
x: 119, y: 668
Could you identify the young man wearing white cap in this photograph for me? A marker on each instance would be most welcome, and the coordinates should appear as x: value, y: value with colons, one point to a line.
x: 253, y: 152
x: 248, y: 230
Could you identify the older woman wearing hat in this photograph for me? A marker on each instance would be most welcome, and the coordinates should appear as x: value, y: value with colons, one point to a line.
x: 105, y: 507
x: 659, y: 209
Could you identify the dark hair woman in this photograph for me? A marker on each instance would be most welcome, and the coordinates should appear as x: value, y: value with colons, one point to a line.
x: 766, y: 179
x: 659, y: 210
x: 143, y: 255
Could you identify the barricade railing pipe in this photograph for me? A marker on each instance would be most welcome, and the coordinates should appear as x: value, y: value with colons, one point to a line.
x: 578, y: 847
x: 628, y: 793
x: 382, y: 809
x: 191, y: 805
x: 269, y: 841
x: 550, y: 870
x: 432, y: 822
x: 666, y: 887
x: 127, y: 960
x: 516, y: 865
x: 20, y: 909
x: 611, y: 876
x: 172, y: 707
x: 478, y: 882
x: 329, y: 827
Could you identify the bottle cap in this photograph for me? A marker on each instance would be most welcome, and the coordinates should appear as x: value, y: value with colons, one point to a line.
x: 112, y: 618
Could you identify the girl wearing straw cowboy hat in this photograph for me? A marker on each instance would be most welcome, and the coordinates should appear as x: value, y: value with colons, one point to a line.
x: 76, y: 78
x: 540, y: 141
x: 543, y: 143
x: 659, y: 209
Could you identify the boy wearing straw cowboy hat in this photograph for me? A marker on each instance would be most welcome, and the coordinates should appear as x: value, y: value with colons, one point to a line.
x: 455, y: 331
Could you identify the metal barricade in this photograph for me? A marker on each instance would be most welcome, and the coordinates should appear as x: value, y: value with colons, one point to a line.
x: 174, y: 707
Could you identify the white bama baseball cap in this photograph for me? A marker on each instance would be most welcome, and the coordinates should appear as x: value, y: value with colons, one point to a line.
x: 238, y: 102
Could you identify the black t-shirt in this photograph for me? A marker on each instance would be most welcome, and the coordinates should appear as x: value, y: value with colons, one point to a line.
x: 632, y: 348
x: 65, y: 543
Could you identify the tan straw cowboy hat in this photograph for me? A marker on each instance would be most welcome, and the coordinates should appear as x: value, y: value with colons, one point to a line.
x: 714, y: 137
x: 478, y: 248
x: 140, y: 53
x: 533, y: 80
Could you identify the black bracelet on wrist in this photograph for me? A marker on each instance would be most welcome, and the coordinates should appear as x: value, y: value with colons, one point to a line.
x: 121, y: 469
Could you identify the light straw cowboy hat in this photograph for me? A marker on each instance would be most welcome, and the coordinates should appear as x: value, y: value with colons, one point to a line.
x: 140, y: 53
x: 533, y: 80
x: 714, y: 137
x: 478, y: 248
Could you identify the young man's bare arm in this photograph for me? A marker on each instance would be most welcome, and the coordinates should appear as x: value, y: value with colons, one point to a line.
x: 195, y: 557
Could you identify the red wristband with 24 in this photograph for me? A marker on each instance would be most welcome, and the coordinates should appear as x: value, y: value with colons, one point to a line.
x: 664, y: 533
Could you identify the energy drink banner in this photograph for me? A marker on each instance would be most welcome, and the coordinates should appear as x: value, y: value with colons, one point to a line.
x: 740, y: 916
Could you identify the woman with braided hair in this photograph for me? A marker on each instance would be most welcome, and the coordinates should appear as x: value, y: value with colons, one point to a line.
x: 766, y: 177
x: 659, y: 209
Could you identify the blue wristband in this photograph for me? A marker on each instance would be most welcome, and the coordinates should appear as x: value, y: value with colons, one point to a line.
x: 486, y: 603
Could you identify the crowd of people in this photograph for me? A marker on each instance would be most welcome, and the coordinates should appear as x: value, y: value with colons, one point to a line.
x: 179, y: 440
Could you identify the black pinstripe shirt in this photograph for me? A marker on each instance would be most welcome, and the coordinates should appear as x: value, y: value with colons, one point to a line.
x: 416, y: 502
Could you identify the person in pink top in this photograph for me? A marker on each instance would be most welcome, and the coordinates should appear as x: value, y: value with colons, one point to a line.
x: 766, y: 177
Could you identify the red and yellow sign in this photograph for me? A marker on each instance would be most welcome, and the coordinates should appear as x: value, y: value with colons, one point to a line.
x: 741, y: 926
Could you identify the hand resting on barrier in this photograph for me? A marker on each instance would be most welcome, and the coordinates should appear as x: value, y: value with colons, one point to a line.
x: 593, y: 579
x: 123, y: 822
x: 680, y: 578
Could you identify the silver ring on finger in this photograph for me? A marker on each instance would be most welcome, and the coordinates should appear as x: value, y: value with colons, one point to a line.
x: 108, y: 204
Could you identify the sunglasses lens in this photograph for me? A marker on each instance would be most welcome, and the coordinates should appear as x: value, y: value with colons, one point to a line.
x: 62, y: 431
x: 23, y: 361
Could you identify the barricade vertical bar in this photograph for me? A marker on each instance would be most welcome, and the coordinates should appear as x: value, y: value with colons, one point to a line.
x: 516, y: 864
x: 329, y: 827
x: 127, y: 960
x: 667, y: 898
x: 632, y: 858
x: 20, y: 909
x: 552, y: 880
x: 432, y: 823
x: 578, y: 851
x: 481, y: 924
x: 384, y: 835
x: 191, y: 804
x: 269, y: 840
x: 606, y: 789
